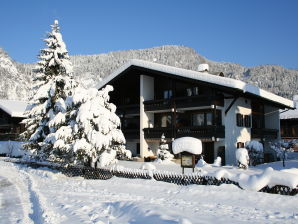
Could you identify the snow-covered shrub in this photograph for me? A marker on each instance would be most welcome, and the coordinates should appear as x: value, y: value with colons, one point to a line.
x: 163, y: 152
x: 11, y: 148
x: 217, y: 162
x: 202, y: 163
x: 242, y: 158
x: 148, y: 166
x: 255, y: 152
x: 282, y: 148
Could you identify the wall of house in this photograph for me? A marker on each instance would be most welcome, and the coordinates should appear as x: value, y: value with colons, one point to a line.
x: 146, y: 118
x: 132, y: 146
x: 272, y: 117
x: 217, y: 145
x: 233, y: 133
x: 271, y: 122
x: 153, y: 146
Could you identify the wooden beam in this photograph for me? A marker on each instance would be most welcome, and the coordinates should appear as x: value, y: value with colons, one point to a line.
x: 231, y: 104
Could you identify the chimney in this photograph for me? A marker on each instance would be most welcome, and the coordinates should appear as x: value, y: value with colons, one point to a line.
x: 203, y: 68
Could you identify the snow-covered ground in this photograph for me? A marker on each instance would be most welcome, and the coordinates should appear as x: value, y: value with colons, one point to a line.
x: 44, y: 196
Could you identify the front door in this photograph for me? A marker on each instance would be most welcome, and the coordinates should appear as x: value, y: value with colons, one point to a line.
x: 208, y: 151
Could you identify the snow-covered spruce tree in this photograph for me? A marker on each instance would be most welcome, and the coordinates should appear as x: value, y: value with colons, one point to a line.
x: 98, y: 136
x: 163, y: 152
x: 92, y: 133
x: 52, y: 84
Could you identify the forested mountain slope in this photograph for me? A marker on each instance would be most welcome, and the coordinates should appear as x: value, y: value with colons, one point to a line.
x: 89, y: 69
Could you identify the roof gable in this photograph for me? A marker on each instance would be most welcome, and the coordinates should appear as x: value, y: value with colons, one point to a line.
x: 14, y: 108
x: 204, y: 77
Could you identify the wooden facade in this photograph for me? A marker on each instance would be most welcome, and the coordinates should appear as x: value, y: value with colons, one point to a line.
x: 10, y: 127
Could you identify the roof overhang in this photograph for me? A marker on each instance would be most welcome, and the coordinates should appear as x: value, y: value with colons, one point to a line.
x: 14, y: 108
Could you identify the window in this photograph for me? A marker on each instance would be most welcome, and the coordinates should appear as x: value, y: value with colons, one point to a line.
x: 218, y: 117
x: 247, y: 121
x: 162, y: 120
x: 239, y: 120
x: 243, y: 120
x: 192, y: 91
x: 240, y: 145
x: 209, y: 118
x: 167, y: 94
x: 198, y: 119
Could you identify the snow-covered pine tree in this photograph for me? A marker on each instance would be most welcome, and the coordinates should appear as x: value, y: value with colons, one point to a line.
x: 93, y: 132
x: 52, y: 84
x: 162, y: 151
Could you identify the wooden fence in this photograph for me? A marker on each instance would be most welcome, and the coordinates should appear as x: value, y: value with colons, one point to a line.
x: 175, y: 178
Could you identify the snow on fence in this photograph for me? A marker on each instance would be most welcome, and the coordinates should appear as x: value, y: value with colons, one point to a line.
x: 165, y: 176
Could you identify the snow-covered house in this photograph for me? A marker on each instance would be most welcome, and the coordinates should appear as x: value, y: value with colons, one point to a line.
x: 11, y: 114
x: 289, y: 122
x: 223, y: 113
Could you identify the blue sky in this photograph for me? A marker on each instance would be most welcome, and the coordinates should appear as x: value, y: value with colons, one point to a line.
x: 250, y: 33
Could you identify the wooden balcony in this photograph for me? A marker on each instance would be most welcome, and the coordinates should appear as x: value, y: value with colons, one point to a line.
x: 195, y: 131
x: 157, y: 132
x: 264, y: 133
x: 9, y: 136
x: 131, y: 133
x: 128, y: 109
x: 201, y: 131
x: 183, y: 102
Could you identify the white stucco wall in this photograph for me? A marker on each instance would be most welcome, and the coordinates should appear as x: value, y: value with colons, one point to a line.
x: 132, y: 146
x: 233, y: 133
x: 146, y: 119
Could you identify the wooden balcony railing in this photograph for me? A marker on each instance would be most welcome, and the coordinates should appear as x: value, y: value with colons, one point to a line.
x: 131, y: 133
x: 183, y: 102
x: 128, y: 109
x: 264, y: 133
x: 194, y: 131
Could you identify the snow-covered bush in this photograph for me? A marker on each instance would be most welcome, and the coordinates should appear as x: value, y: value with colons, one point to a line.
x: 11, y: 148
x: 163, y: 152
x: 217, y: 162
x: 282, y: 148
x: 242, y: 158
x: 53, y: 83
x: 202, y: 163
x: 255, y: 152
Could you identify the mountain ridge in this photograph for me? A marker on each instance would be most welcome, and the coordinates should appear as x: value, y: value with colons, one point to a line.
x: 89, y: 69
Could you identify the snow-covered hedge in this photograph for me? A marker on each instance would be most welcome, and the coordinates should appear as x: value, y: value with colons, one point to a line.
x: 12, y: 148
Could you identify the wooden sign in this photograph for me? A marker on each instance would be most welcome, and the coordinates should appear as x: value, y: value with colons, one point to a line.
x: 187, y: 161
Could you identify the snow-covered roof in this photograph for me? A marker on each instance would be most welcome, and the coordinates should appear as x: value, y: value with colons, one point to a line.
x: 14, y: 108
x: 290, y: 114
x: 201, y: 76
x: 187, y: 144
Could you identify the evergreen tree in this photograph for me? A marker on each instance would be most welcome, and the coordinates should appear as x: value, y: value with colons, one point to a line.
x: 53, y: 83
x: 92, y: 132
x: 162, y: 151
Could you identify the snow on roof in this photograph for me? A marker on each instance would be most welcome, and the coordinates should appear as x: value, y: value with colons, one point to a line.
x: 201, y: 76
x: 290, y: 114
x: 187, y: 144
x: 14, y: 108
